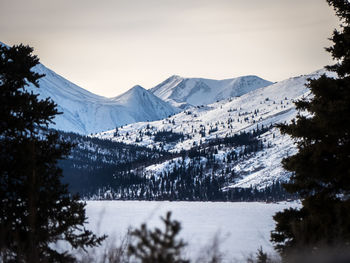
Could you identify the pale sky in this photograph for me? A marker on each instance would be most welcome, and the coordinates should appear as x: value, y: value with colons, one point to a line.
x: 108, y: 46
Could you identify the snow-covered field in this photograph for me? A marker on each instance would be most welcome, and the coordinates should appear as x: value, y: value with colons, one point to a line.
x: 241, y: 228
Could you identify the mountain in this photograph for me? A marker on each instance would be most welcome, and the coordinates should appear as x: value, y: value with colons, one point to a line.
x: 85, y: 112
x: 142, y: 105
x: 207, y: 133
x: 182, y: 92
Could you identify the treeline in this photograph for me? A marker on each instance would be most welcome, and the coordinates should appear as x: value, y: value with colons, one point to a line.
x: 101, y: 169
x: 186, y: 188
x: 93, y: 162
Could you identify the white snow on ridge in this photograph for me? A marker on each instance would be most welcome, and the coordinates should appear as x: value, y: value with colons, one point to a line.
x: 85, y: 112
x: 200, y: 91
x: 144, y: 104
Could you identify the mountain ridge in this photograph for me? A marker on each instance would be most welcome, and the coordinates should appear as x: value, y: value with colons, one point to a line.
x: 85, y: 112
x: 184, y: 92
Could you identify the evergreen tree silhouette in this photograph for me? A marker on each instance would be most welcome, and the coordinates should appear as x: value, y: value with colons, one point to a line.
x: 36, y: 209
x: 321, y: 168
x: 157, y: 246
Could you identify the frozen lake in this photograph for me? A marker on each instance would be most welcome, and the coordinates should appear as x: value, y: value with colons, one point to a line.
x: 241, y: 228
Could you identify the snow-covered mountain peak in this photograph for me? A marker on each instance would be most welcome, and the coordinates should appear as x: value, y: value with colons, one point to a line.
x: 164, y: 89
x: 134, y: 95
x: 134, y: 91
x: 85, y: 112
x: 137, y: 88
x: 200, y: 91
x: 174, y: 77
x: 143, y: 102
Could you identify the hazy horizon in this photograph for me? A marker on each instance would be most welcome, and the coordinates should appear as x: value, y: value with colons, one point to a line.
x: 108, y: 47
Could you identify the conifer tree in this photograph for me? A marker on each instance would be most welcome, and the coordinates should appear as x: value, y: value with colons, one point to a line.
x: 321, y: 167
x: 157, y: 246
x: 36, y: 210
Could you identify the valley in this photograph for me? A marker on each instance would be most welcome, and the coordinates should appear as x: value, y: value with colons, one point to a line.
x: 227, y: 150
x: 191, y: 139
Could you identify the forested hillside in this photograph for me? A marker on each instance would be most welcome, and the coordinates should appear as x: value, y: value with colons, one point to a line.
x: 101, y: 169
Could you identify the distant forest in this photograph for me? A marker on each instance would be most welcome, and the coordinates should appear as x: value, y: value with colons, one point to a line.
x: 102, y: 169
